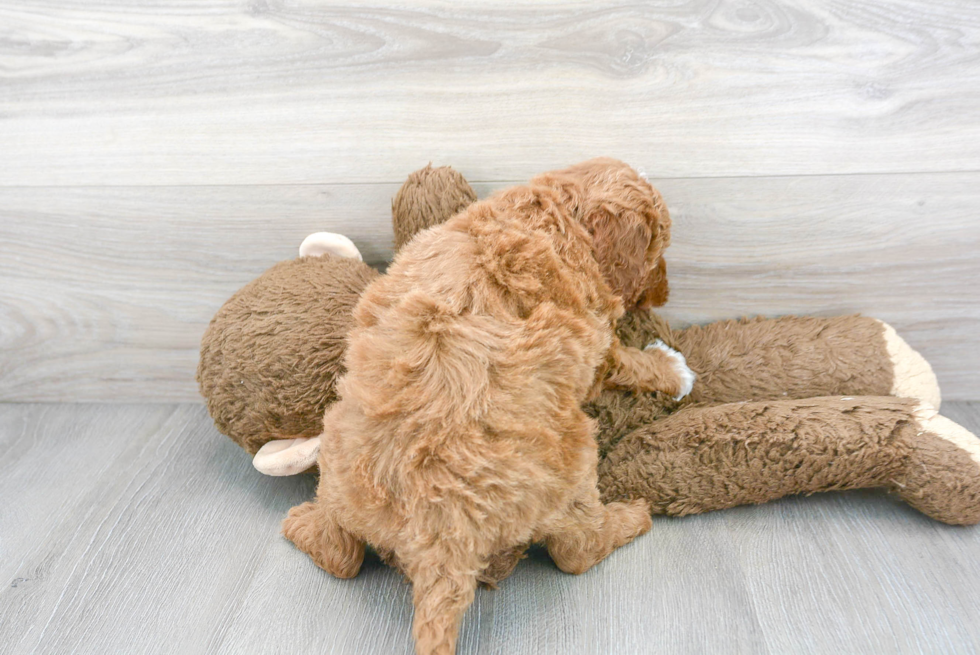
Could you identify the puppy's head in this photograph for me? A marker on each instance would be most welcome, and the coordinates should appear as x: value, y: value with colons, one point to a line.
x: 629, y: 224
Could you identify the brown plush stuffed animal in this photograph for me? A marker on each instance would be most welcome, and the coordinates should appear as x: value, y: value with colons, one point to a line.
x: 782, y: 406
x: 271, y: 354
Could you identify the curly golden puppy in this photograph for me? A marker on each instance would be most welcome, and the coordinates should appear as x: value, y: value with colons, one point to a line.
x: 459, y: 434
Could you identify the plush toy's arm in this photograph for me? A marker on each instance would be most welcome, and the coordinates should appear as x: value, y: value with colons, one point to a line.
x: 801, y: 357
x: 707, y: 458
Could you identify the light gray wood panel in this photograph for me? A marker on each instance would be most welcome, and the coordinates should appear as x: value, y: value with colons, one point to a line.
x: 105, y: 292
x: 235, y: 92
x: 139, y: 529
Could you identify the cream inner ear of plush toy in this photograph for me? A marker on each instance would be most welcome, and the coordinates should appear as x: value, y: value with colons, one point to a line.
x: 287, y: 456
x: 328, y: 243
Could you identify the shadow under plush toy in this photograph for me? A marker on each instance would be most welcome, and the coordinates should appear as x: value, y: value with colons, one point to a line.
x: 781, y: 406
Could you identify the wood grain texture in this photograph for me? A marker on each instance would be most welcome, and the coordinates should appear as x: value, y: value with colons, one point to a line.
x: 139, y: 529
x: 818, y: 157
x: 105, y: 292
x: 170, y: 92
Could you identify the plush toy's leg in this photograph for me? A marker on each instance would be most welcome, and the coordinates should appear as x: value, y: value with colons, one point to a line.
x: 707, y: 458
x: 802, y: 357
x: 942, y: 479
x: 318, y: 535
x: 587, y: 531
x: 287, y: 456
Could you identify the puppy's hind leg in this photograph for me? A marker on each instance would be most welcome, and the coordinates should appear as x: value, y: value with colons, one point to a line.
x: 587, y: 530
x: 443, y: 585
x: 317, y: 534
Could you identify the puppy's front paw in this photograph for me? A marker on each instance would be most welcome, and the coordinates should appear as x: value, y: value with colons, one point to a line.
x: 679, y: 364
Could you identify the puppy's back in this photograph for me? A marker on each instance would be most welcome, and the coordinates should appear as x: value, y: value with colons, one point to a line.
x: 468, y: 362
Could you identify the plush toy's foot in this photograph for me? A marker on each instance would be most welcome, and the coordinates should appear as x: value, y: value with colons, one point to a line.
x: 914, y: 377
x: 942, y: 478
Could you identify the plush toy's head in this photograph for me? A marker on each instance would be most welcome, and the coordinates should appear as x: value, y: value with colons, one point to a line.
x: 272, y: 353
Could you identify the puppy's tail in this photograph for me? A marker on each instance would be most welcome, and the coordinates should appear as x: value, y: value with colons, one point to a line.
x: 444, y: 582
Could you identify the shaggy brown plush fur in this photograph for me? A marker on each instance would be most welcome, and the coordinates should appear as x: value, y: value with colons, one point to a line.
x: 794, y: 357
x: 690, y: 456
x: 701, y: 459
x: 791, y: 360
x: 752, y: 359
x: 272, y: 354
x: 459, y: 432
x: 428, y: 197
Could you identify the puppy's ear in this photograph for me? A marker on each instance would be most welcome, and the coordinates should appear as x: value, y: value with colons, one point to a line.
x: 287, y: 456
x: 620, y: 239
x: 657, y: 289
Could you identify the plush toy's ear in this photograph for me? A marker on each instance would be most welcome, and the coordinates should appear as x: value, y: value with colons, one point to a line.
x: 287, y: 456
x: 328, y: 243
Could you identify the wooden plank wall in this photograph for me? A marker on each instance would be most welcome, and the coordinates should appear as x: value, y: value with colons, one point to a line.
x: 818, y: 157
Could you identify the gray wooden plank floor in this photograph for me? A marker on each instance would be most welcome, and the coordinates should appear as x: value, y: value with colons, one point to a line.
x: 139, y: 529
